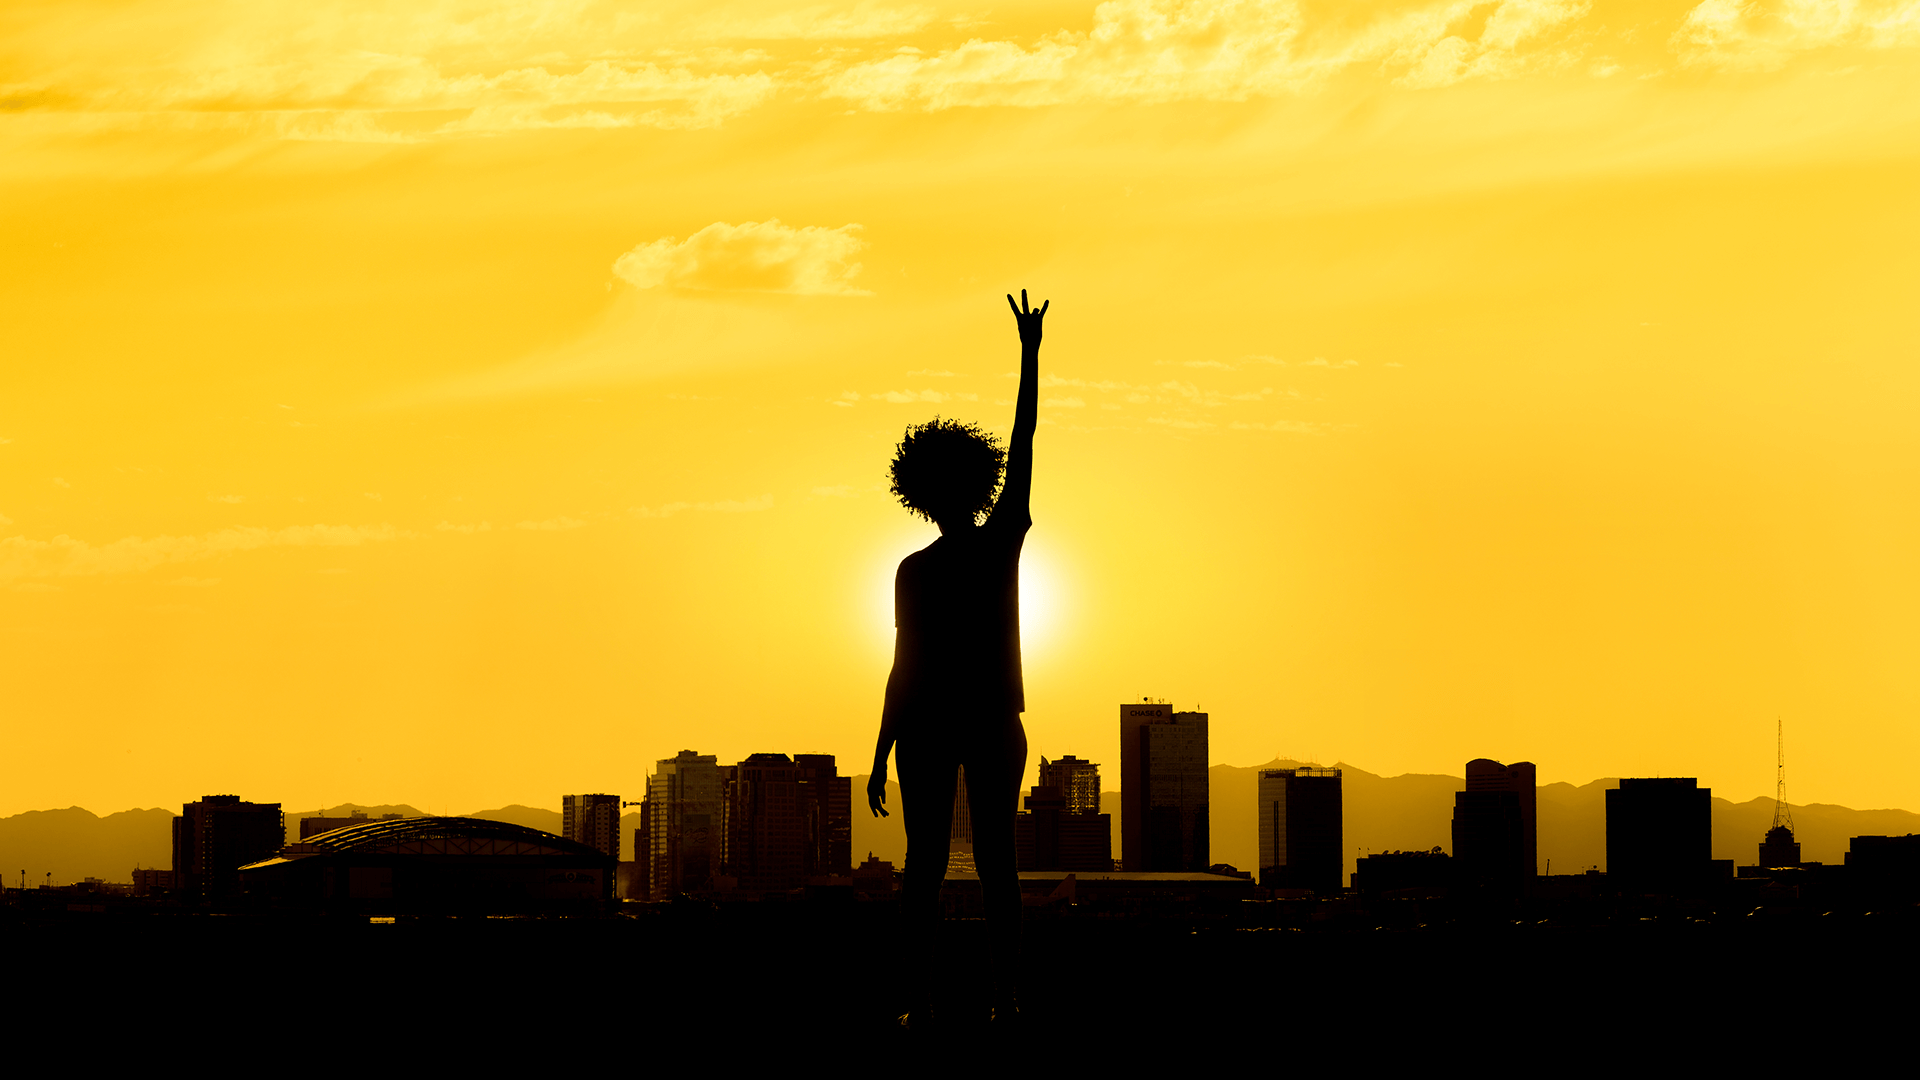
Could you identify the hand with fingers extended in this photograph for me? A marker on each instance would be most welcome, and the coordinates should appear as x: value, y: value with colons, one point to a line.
x: 877, y: 794
x: 1028, y: 317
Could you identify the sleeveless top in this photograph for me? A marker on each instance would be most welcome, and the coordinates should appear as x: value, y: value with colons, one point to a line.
x: 956, y: 604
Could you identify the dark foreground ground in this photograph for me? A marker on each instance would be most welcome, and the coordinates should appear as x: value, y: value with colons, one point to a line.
x: 748, y: 989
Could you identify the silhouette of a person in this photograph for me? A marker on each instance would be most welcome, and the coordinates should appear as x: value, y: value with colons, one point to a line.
x: 955, y: 694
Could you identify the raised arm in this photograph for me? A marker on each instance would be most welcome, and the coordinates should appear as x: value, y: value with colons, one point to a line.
x: 1017, y: 493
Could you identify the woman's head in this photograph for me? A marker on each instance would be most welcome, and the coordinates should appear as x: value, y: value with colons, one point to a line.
x: 947, y: 471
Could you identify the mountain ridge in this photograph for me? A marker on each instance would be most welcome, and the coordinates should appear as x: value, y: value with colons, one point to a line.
x: 1409, y: 811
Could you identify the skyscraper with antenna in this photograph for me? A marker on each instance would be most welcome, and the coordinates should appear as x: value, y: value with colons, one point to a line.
x: 1780, y: 850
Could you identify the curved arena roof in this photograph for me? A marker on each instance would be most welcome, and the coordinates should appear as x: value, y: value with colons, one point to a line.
x: 439, y: 836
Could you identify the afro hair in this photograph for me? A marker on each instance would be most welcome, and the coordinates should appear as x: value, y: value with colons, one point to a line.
x: 947, y: 468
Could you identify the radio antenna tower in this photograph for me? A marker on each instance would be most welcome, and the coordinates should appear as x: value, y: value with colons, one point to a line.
x: 1782, y: 814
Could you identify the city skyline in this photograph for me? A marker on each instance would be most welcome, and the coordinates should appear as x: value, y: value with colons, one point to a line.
x: 1401, y: 813
x: 383, y: 394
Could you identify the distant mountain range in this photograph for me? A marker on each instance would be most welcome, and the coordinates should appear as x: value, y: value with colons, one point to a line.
x: 1410, y: 812
x: 1414, y: 812
x: 74, y: 844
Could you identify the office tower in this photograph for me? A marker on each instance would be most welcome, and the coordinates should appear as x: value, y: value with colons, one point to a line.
x: 593, y: 820
x: 215, y: 837
x: 683, y: 814
x: 1078, y: 781
x: 1660, y: 834
x: 1163, y: 788
x: 1051, y: 836
x: 960, y: 833
x: 1779, y: 850
x: 644, y: 854
x: 1885, y: 869
x: 1495, y: 842
x: 1398, y: 871
x: 788, y: 819
x: 1063, y: 828
x: 831, y: 796
x: 1302, y: 830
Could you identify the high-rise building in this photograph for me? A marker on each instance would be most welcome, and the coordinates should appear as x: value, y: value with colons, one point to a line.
x: 960, y: 830
x: 215, y: 837
x: 788, y: 819
x: 1779, y: 851
x: 593, y: 820
x: 1398, y: 871
x: 1164, y: 819
x: 1302, y: 830
x: 682, y: 818
x: 1660, y: 834
x: 1078, y: 781
x: 1886, y: 868
x: 1495, y: 840
x: 1063, y: 828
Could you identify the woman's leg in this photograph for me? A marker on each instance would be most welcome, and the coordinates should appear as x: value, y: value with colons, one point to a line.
x: 995, y: 766
x: 927, y: 776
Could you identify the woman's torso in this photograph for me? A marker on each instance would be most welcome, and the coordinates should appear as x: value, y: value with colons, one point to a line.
x: 957, y: 610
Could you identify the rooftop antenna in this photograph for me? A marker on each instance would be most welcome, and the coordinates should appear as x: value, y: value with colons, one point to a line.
x: 1782, y: 814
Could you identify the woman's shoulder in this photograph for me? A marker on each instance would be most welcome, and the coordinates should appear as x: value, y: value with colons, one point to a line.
x: 920, y: 558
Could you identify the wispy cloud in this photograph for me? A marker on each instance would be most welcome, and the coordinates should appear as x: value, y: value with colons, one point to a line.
x: 819, y: 22
x: 906, y: 397
x: 756, y: 256
x: 726, y: 506
x: 1224, y: 50
x: 367, y: 71
x: 226, y: 498
x: 559, y: 524
x: 1765, y: 34
x: 358, y: 70
x: 24, y: 558
x: 1300, y: 427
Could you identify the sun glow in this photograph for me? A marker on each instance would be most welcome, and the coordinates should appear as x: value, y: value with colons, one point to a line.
x: 1041, y: 601
x: 1042, y: 596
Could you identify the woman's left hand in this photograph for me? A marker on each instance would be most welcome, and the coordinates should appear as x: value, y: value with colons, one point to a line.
x: 1029, y: 318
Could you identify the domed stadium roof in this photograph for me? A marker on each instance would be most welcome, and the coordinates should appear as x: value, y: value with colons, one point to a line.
x: 438, y: 836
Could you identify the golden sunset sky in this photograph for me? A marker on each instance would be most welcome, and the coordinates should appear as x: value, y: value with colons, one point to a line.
x: 468, y: 403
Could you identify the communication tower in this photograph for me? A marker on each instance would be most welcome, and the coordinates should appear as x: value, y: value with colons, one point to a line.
x: 1779, y: 850
x: 1782, y: 813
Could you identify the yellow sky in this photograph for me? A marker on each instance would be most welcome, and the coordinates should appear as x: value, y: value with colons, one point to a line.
x: 470, y: 403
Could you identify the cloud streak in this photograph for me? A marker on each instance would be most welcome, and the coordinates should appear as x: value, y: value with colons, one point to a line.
x: 1745, y: 35
x: 22, y: 558
x: 756, y: 256
x: 356, y: 70
x: 1154, y: 51
x: 727, y: 506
